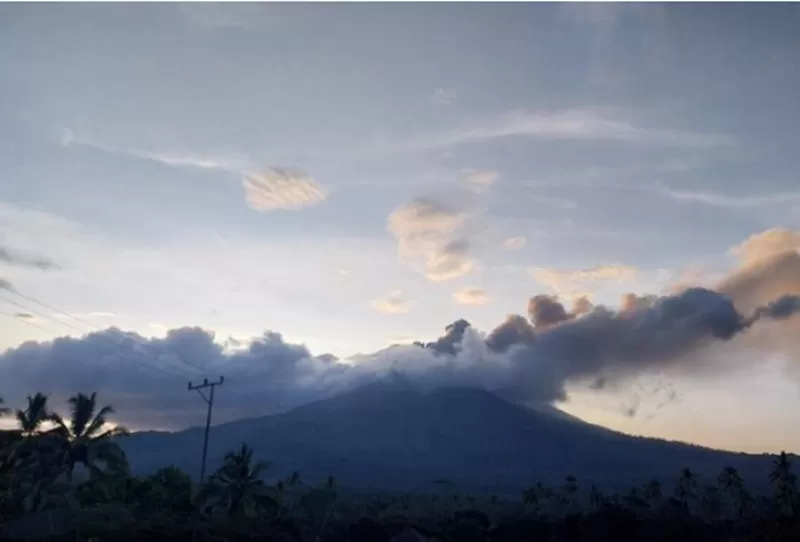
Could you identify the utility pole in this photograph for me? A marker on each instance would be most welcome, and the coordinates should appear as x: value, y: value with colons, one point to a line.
x: 210, y: 402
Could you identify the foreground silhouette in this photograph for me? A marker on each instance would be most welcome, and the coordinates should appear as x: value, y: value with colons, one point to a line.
x: 68, y: 479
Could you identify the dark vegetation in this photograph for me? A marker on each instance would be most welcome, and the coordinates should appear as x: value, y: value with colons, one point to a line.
x: 68, y: 479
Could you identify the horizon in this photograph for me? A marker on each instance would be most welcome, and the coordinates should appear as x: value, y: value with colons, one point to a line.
x: 251, y: 191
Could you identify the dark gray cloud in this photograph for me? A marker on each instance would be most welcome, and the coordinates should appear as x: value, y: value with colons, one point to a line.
x: 513, y: 331
x: 545, y: 310
x: 453, y: 335
x: 11, y: 257
x: 146, y: 379
x: 6, y: 285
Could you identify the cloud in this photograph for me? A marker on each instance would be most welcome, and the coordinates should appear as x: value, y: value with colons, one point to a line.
x: 429, y: 234
x: 714, y: 199
x: 11, y: 257
x: 481, y: 180
x: 571, y: 124
x: 471, y: 296
x: 767, y: 244
x: 144, y: 378
x: 759, y: 281
x: 394, y: 303
x: 6, y: 285
x: 25, y: 316
x: 546, y: 310
x: 449, y: 261
x: 444, y: 96
x: 571, y: 282
x: 266, y: 189
x: 515, y: 243
x: 281, y: 188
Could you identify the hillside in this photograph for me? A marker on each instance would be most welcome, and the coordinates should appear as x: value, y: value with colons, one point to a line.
x: 392, y: 436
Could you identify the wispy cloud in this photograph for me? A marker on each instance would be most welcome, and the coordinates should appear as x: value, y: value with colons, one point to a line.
x: 574, y: 282
x: 266, y: 189
x: 28, y: 317
x: 576, y: 124
x: 481, y: 180
x: 724, y: 200
x: 471, y: 296
x: 394, y: 303
x: 515, y: 243
x: 12, y: 257
x: 444, y: 96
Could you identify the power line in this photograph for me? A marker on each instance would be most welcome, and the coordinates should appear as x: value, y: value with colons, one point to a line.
x: 113, y: 345
x: 26, y: 321
x: 86, y: 322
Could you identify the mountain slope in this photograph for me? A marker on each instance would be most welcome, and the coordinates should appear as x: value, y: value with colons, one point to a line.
x: 390, y: 435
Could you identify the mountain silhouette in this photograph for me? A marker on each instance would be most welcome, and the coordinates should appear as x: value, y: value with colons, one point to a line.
x: 391, y: 435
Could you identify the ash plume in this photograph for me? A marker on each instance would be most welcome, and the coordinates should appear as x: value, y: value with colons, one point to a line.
x: 525, y: 359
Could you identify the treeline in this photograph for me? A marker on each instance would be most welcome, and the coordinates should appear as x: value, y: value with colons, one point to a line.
x: 66, y: 478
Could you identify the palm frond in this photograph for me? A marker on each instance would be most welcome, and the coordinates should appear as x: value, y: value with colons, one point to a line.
x: 99, y: 421
x: 82, y: 411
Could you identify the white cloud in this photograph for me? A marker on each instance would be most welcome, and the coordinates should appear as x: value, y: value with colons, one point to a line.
x: 281, y: 188
x: 515, y: 243
x: 394, y: 303
x: 481, y: 180
x: 572, y: 283
x: 444, y: 96
x: 429, y: 234
x: 449, y: 261
x: 766, y: 244
x: 471, y: 296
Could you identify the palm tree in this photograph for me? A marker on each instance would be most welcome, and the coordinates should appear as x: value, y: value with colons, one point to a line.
x: 86, y: 438
x: 685, y: 489
x: 237, y: 484
x: 731, y: 482
x: 596, y: 499
x: 785, y: 484
x: 35, y: 414
x: 710, y: 502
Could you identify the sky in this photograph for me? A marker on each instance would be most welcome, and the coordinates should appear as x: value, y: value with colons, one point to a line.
x: 357, y: 176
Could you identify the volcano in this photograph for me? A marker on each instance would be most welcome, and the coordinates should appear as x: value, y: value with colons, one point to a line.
x: 393, y: 436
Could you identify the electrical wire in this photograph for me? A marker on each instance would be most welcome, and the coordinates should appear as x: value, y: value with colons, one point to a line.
x: 85, y: 322
x: 140, y: 363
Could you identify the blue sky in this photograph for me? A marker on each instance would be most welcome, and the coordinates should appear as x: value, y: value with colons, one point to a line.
x: 259, y: 167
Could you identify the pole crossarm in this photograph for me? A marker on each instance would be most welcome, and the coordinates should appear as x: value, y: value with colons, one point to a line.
x: 210, y: 402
